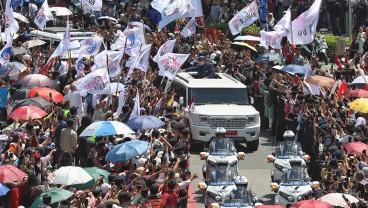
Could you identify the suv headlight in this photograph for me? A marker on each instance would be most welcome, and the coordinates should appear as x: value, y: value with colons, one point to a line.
x: 251, y: 119
x: 203, y: 119
x: 278, y: 167
x: 214, y: 196
x: 286, y: 196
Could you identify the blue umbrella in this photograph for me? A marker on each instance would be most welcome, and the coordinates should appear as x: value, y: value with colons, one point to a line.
x: 145, y: 122
x: 269, y: 57
x: 3, y: 190
x: 126, y: 151
x: 296, y: 69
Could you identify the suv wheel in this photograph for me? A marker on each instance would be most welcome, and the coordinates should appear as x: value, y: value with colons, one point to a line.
x: 253, y: 145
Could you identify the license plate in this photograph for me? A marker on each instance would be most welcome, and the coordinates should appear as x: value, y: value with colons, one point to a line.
x: 232, y: 133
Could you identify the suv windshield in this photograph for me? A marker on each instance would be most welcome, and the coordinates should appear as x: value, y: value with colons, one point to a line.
x: 221, y: 173
x: 288, y: 149
x: 219, y: 96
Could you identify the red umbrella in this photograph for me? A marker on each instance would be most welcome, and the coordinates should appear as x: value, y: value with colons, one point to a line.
x: 10, y: 173
x: 269, y: 206
x: 357, y: 93
x: 27, y: 112
x: 355, y: 147
x: 311, y: 204
x: 45, y: 93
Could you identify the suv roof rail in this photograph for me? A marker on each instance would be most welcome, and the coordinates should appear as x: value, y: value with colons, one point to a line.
x: 183, y: 78
x: 230, y: 77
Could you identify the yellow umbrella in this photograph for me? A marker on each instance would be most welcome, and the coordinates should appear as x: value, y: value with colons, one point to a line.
x: 360, y: 105
x: 239, y: 46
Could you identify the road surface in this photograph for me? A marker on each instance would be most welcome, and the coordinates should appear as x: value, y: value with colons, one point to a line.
x: 254, y: 167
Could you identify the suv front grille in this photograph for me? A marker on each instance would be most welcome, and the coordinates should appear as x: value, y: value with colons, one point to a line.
x: 237, y: 122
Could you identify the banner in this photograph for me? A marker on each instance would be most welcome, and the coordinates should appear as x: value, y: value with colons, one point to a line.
x: 94, y: 82
x: 64, y: 45
x: 3, y: 96
x: 141, y: 58
x: 5, y: 52
x: 244, y: 18
x: 304, y: 26
x: 284, y: 23
x: 167, y: 47
x: 171, y: 10
x: 111, y: 59
x: 189, y: 29
x: 271, y: 38
x: 95, y: 5
x: 43, y: 15
x: 170, y: 63
x: 130, y: 38
x: 90, y: 46
x: 137, y: 108
x: 11, y: 25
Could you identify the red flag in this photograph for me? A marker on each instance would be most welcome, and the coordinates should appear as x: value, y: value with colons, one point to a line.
x: 343, y: 88
x: 44, y: 69
x: 339, y: 65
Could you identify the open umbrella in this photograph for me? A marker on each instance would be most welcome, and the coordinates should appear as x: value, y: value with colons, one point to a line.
x: 21, y: 93
x: 126, y: 151
x: 10, y: 173
x: 15, y: 68
x: 359, y: 80
x: 95, y: 173
x: 57, y: 195
x: 295, y: 69
x: 356, y: 93
x: 239, y: 46
x: 311, y: 204
x: 61, y: 11
x: 108, y: 18
x: 45, y: 93
x: 33, y: 43
x: 36, y: 101
x: 105, y: 128
x: 320, y: 81
x: 114, y: 86
x: 36, y: 80
x: 20, y: 17
x: 145, y: 122
x: 338, y: 199
x: 25, y: 113
x: 19, y: 50
x: 69, y: 175
x: 3, y: 190
x: 269, y: 57
x: 360, y: 105
x: 355, y: 147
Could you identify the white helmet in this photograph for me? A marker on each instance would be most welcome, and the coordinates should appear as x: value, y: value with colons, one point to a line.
x: 289, y: 135
x: 241, y: 180
x: 220, y: 130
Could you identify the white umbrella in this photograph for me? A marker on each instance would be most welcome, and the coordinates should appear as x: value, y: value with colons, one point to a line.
x: 69, y: 175
x: 105, y: 128
x: 359, y: 80
x: 16, y: 68
x: 61, y: 11
x: 32, y: 80
x: 33, y: 43
x: 247, y: 38
x: 107, y: 17
x: 114, y: 86
x: 20, y: 17
x: 19, y: 50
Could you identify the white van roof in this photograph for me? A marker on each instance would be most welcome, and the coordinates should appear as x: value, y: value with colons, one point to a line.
x: 221, y: 80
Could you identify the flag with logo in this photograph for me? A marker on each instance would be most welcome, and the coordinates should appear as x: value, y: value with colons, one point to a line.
x: 137, y: 108
x: 271, y: 38
x: 167, y: 47
x: 11, y: 26
x: 244, y: 18
x: 32, y: 9
x: 141, y: 58
x: 64, y: 45
x: 94, y: 5
x: 171, y: 10
x: 284, y: 23
x: 189, y: 29
x: 109, y: 59
x: 90, y: 46
x: 94, y: 82
x: 129, y: 38
x: 5, y: 52
x: 63, y: 67
x: 43, y: 15
x: 170, y: 63
x: 79, y: 64
x: 304, y: 26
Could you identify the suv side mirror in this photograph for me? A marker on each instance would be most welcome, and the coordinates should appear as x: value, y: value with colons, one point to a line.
x: 251, y: 100
x: 181, y: 100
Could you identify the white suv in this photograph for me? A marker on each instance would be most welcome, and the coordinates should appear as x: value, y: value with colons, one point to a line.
x: 221, y: 101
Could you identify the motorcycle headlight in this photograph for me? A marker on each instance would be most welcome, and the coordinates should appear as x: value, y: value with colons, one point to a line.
x: 279, y: 167
x: 286, y: 196
x: 214, y: 196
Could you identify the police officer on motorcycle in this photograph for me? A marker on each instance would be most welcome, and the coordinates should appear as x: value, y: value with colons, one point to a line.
x: 220, y: 143
x: 241, y: 192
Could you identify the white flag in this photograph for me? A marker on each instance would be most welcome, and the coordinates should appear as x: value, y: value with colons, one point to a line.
x: 244, y: 18
x: 79, y: 64
x: 304, y: 26
x: 142, y: 57
x: 284, y: 23
x: 129, y: 38
x: 5, y: 52
x: 271, y: 38
x: 111, y: 59
x: 44, y: 14
x: 311, y: 88
x: 64, y: 45
x: 170, y: 63
x: 137, y: 108
x: 94, y: 82
x: 32, y: 9
x: 171, y: 10
x: 189, y: 29
x: 90, y: 46
x: 167, y: 47
x: 133, y: 53
x: 63, y: 68
x: 12, y: 26
x: 95, y: 5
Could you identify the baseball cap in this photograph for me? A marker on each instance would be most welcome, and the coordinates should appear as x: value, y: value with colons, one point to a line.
x: 201, y: 58
x: 105, y: 187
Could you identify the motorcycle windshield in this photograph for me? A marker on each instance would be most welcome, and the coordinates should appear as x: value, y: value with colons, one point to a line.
x: 221, y: 174
x: 288, y: 149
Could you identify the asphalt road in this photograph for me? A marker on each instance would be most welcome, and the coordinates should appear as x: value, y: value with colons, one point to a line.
x: 254, y: 167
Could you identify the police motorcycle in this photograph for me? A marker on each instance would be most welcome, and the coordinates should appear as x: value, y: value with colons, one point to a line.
x: 295, y: 186
x: 240, y: 197
x: 286, y: 151
x: 220, y: 169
